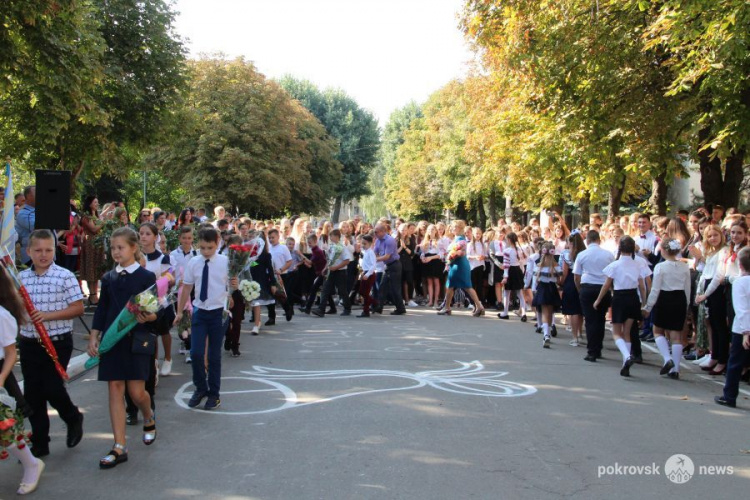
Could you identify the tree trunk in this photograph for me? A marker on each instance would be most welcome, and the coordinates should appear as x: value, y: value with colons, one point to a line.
x: 711, y: 179
x: 658, y: 199
x: 481, y: 214
x: 508, y: 209
x: 615, y: 196
x: 585, y: 205
x: 461, y: 211
x: 493, y: 207
x: 733, y: 175
x: 336, y: 210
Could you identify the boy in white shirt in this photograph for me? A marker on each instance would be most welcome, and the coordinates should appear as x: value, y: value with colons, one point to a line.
x: 367, y: 280
x: 179, y: 259
x: 338, y: 260
x: 740, y: 350
x: 281, y: 258
x: 209, y: 275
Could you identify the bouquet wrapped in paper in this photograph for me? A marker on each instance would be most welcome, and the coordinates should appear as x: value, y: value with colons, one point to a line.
x: 152, y: 300
x: 334, y: 252
x: 239, y: 258
x: 455, y: 250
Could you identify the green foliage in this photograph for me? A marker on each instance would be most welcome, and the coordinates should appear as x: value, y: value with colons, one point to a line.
x: 240, y: 141
x: 354, y: 128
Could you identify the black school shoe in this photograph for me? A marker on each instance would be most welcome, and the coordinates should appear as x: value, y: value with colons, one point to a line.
x: 719, y: 400
x: 270, y: 322
x: 131, y: 419
x: 212, y: 403
x: 625, y: 370
x: 75, y: 432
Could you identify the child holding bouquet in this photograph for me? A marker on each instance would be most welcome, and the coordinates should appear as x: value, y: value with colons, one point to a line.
x: 124, y: 365
x: 232, y: 340
x: 12, y: 313
x: 179, y: 259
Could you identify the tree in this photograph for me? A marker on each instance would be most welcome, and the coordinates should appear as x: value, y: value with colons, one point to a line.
x: 355, y: 129
x: 88, y: 79
x: 242, y: 142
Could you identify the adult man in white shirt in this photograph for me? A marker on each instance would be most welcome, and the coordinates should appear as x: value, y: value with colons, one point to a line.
x: 282, y: 261
x: 589, y: 278
x: 646, y: 242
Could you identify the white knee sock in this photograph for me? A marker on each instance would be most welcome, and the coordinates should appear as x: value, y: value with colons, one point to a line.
x: 506, y: 301
x: 523, y: 302
x: 545, y: 329
x: 629, y: 347
x: 624, y: 350
x: 676, y: 356
x: 663, y: 345
x: 30, y: 462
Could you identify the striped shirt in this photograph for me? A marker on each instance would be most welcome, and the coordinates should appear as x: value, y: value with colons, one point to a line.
x: 52, y: 291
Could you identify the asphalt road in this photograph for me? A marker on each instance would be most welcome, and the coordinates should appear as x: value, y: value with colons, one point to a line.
x: 412, y: 407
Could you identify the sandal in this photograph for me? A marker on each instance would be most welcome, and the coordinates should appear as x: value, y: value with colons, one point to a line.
x: 149, y: 432
x: 113, y: 458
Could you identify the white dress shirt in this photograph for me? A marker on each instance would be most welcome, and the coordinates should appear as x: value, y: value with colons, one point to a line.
x: 475, y: 253
x: 590, y: 265
x: 648, y: 241
x: 669, y: 276
x: 8, y: 330
x: 741, y: 302
x: 368, y: 262
x: 625, y: 272
x: 280, y: 255
x: 218, y: 278
x: 179, y: 260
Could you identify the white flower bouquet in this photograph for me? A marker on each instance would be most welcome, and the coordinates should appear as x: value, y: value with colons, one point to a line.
x: 250, y: 290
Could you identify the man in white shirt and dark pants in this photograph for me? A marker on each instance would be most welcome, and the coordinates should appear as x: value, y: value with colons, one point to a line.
x: 589, y: 278
x: 282, y: 261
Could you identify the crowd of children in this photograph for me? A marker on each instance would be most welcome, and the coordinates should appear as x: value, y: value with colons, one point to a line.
x: 684, y: 284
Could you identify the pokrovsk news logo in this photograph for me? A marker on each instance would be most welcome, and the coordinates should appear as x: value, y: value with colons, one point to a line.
x: 679, y: 469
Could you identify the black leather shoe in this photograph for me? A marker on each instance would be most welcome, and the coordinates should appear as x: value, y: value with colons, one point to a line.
x: 625, y: 370
x: 554, y: 331
x: 303, y: 310
x: 131, y: 419
x: 377, y: 310
x: 40, y: 451
x: 724, y: 402
x: 397, y: 313
x: 75, y: 432
x: 346, y: 313
x: 674, y: 375
x: 227, y: 347
x: 317, y: 312
x: 331, y: 310
x: 591, y: 359
x: 667, y: 366
x: 638, y: 359
x: 289, y: 313
x: 363, y: 315
x: 270, y: 322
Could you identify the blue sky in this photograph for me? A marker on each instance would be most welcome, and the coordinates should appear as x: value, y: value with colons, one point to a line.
x: 383, y: 53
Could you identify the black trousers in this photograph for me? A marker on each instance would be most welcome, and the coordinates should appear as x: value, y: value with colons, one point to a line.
x: 738, y: 358
x: 635, y: 340
x: 336, y: 281
x: 594, y: 319
x: 717, y: 318
x: 391, y: 284
x: 477, y: 282
x: 291, y: 285
x: 42, y: 385
x: 316, y: 285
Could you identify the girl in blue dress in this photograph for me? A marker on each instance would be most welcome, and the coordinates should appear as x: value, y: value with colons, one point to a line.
x: 121, y: 367
x: 459, y: 272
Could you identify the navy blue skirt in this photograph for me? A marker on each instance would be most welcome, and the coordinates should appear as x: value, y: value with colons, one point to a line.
x: 571, y: 302
x: 546, y: 295
x: 670, y: 310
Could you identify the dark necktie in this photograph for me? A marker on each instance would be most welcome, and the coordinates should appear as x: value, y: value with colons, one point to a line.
x: 204, y: 283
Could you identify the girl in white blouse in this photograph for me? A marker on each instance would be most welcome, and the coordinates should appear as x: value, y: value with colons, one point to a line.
x: 625, y: 276
x: 669, y: 299
x: 495, y: 253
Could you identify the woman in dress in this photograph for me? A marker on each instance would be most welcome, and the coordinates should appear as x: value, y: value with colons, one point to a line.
x: 459, y: 271
x: 92, y: 255
x: 571, y: 302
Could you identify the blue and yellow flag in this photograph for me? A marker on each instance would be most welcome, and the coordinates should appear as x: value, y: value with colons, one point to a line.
x: 8, y: 225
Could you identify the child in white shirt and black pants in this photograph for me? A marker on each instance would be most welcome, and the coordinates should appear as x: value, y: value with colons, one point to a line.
x: 625, y: 275
x: 209, y: 274
x: 740, y: 350
x: 367, y: 280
